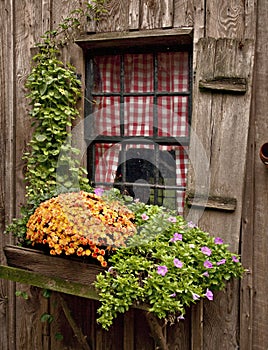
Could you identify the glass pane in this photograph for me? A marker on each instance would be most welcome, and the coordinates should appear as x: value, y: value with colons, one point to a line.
x: 106, y: 71
x: 180, y: 201
x: 138, y: 116
x: 138, y: 70
x: 172, y: 116
x: 105, y: 119
x: 173, y: 71
x: 106, y: 162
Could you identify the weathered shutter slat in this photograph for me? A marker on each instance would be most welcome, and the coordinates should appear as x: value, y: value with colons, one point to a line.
x: 134, y: 14
x: 220, y: 122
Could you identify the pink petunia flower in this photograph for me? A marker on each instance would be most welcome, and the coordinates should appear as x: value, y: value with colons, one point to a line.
x: 235, y: 258
x: 162, y: 270
x: 178, y: 263
x: 206, y: 251
x: 209, y: 294
x: 208, y: 264
x: 221, y: 262
x: 195, y: 296
x: 218, y: 240
x: 176, y: 237
x: 172, y: 219
x: 99, y: 191
x: 144, y: 216
x: 190, y: 224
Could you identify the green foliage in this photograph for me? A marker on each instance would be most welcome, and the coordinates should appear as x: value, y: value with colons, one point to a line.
x: 22, y: 294
x: 167, y: 266
x: 47, y: 318
x: 58, y: 336
x: 52, y: 163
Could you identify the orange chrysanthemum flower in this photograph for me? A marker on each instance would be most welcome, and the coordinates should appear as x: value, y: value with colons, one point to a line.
x: 82, y: 224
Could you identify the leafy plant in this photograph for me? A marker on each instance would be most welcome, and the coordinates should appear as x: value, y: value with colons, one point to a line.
x: 167, y: 265
x: 22, y: 294
x: 54, y: 90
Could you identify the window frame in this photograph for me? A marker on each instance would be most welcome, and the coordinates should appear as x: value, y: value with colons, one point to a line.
x: 141, y: 42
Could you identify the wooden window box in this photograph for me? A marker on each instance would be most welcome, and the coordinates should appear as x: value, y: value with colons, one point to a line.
x: 34, y: 267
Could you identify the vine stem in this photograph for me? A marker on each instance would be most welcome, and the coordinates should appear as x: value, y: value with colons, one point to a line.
x: 157, y: 331
x: 77, y: 330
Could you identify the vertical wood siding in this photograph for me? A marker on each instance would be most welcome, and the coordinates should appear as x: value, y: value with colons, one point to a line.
x: 231, y: 129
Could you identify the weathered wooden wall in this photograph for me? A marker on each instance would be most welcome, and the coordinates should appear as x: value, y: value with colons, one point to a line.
x: 229, y: 41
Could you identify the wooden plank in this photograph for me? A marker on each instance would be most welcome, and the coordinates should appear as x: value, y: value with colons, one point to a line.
x: 250, y: 20
x: 221, y: 319
x: 134, y: 14
x: 7, y: 165
x: 115, y: 17
x: 260, y: 236
x: 211, y: 202
x: 53, y: 283
x: 184, y: 13
x: 225, y: 19
x: 177, y: 36
x: 247, y: 243
x: 179, y: 334
x: 197, y: 322
x: 167, y: 13
x: 150, y: 16
x: 225, y: 122
x: 230, y: 85
x: 31, y: 18
x: 38, y: 262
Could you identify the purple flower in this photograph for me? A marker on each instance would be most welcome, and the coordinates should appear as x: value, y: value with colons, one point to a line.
x: 191, y: 224
x: 209, y: 294
x: 173, y: 295
x: 181, y: 317
x: 172, y: 219
x: 176, y: 237
x: 144, y: 216
x: 99, y: 191
x: 195, y: 296
x: 218, y: 240
x: 162, y: 270
x: 221, y: 262
x: 206, y: 274
x: 235, y: 259
x: 206, y: 251
x: 208, y: 264
x: 178, y: 263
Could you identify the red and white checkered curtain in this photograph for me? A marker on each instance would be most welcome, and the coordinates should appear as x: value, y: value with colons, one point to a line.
x: 138, y: 111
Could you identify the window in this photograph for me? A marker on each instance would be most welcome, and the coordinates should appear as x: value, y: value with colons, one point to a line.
x: 138, y: 107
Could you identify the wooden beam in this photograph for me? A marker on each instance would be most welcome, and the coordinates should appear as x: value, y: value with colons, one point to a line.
x: 211, y: 202
x: 179, y: 36
x: 53, y: 283
x: 223, y: 84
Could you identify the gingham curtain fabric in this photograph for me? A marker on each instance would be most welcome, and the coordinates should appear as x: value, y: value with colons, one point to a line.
x: 139, y: 95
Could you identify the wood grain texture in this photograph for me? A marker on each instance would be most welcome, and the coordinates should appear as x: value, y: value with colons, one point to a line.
x: 150, y: 14
x: 260, y: 233
x: 225, y: 19
x: 221, y: 319
x: 134, y: 14
x: 247, y: 241
x: 225, y: 122
x: 30, y: 20
x: 184, y: 15
x: 7, y: 165
x: 38, y: 262
x: 115, y: 17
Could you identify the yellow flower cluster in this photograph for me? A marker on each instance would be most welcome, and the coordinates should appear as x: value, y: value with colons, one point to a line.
x: 81, y: 223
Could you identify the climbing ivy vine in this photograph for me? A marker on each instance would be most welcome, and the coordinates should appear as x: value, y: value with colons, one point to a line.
x: 54, y: 91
